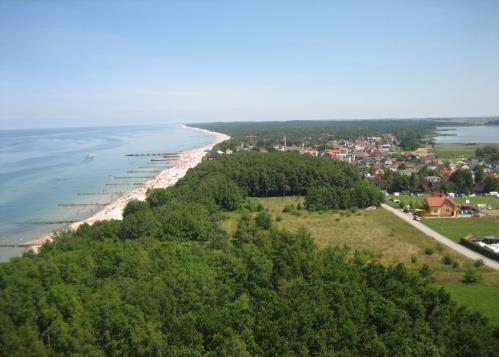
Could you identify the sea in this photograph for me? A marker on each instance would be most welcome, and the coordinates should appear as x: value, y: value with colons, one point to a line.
x: 468, y: 134
x: 49, y: 177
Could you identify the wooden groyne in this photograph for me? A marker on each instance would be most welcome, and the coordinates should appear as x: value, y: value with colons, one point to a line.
x: 82, y: 204
x: 165, y: 154
x: 54, y: 222
x: 156, y: 160
x: 99, y: 193
x: 143, y: 171
x: 134, y: 177
x: 20, y: 245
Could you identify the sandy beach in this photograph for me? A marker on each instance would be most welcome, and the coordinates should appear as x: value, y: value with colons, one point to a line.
x: 168, y: 177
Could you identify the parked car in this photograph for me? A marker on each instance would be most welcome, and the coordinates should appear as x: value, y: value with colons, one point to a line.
x: 416, y: 217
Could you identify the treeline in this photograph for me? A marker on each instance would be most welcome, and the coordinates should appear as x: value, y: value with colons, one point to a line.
x: 410, y: 133
x: 166, y: 281
x: 460, y: 181
x: 362, y: 194
x: 488, y: 152
x: 271, y: 174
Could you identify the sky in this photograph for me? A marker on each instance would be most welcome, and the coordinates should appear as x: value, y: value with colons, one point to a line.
x: 85, y: 63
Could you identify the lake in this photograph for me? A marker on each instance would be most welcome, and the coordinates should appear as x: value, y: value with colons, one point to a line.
x: 468, y: 134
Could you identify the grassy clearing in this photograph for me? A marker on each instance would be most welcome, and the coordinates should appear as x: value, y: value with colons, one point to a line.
x: 478, y: 297
x: 488, y: 200
x: 392, y: 241
x: 413, y: 201
x: 455, y: 151
x: 457, y: 228
x: 419, y: 200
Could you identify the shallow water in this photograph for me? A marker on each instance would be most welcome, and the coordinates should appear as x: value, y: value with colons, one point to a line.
x: 44, y: 168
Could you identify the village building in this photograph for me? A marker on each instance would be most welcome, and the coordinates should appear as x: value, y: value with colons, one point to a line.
x: 438, y: 204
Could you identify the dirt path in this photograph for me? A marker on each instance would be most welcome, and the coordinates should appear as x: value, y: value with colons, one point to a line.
x: 442, y: 239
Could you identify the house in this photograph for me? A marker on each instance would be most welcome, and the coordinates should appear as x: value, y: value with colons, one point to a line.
x: 438, y: 204
x: 213, y: 155
x: 433, y: 179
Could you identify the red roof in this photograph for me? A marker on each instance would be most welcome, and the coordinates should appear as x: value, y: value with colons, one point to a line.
x: 437, y: 199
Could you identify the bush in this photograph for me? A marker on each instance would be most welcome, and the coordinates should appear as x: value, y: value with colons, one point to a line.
x: 428, y: 251
x: 134, y: 206
x: 478, y: 263
x: 413, y: 259
x: 471, y: 277
x: 263, y: 220
x: 447, y: 260
x: 425, y: 271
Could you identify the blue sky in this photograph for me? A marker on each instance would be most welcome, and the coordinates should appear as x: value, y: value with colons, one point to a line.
x: 74, y: 63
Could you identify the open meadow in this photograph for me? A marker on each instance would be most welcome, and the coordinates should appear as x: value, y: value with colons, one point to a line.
x: 455, y: 151
x: 389, y: 239
x: 457, y: 228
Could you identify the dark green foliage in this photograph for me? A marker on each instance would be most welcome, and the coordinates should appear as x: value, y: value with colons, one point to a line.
x: 490, y: 183
x: 165, y: 281
x: 263, y: 220
x: 272, y: 174
x: 136, y: 205
x: 478, y: 263
x: 488, y: 152
x: 471, y: 277
x: 463, y: 180
x: 409, y: 132
x: 447, y: 260
x: 362, y: 194
x: 159, y: 196
x: 182, y: 221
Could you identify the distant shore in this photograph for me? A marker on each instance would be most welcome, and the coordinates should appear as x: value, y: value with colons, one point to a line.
x: 168, y: 177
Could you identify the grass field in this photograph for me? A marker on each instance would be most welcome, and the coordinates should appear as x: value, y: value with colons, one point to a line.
x: 477, y: 297
x: 457, y: 228
x: 455, y: 151
x: 390, y: 239
x: 488, y: 200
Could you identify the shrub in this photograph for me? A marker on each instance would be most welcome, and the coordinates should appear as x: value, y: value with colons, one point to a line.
x: 428, y: 251
x: 478, y: 263
x: 471, y: 277
x: 413, y: 259
x: 134, y: 206
x: 425, y: 271
x: 263, y: 220
x: 447, y: 260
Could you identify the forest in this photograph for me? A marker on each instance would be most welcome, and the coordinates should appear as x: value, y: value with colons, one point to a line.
x: 166, y: 280
x: 410, y: 133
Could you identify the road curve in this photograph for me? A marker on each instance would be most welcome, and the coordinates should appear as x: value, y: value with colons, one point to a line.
x: 442, y: 239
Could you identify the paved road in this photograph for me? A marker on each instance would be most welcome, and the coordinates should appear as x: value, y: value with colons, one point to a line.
x: 442, y: 239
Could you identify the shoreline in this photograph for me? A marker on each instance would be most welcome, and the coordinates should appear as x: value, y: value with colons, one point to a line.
x: 168, y: 177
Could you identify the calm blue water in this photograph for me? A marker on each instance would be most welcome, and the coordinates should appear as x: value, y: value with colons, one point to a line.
x: 42, y: 168
x: 469, y: 134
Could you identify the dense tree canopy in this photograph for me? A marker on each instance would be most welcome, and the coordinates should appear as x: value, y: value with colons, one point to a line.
x: 409, y: 132
x: 166, y: 281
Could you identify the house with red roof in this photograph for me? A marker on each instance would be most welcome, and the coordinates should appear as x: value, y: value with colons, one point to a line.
x: 438, y: 204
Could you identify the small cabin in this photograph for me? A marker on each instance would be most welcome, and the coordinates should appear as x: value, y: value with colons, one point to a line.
x: 438, y: 204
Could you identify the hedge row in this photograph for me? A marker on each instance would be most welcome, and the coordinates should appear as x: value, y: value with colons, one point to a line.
x: 479, y: 249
